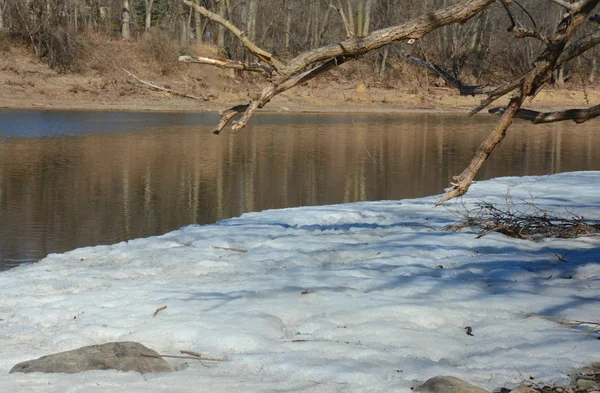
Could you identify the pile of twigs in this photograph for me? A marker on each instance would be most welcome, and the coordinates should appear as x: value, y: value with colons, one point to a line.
x: 530, y: 223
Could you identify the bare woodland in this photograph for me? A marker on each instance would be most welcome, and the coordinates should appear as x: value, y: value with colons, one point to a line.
x: 491, y: 48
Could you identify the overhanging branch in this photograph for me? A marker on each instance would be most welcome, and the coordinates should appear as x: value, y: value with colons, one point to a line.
x: 251, y: 46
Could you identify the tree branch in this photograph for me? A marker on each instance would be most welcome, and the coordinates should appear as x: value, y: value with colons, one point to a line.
x: 238, y: 65
x: 464, y: 90
x: 577, y: 115
x: 251, y: 46
x: 340, y: 10
x: 537, y: 77
x: 157, y: 87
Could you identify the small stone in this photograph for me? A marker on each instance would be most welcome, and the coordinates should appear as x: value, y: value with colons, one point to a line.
x: 121, y: 356
x: 587, y: 384
x: 444, y: 384
x: 524, y: 389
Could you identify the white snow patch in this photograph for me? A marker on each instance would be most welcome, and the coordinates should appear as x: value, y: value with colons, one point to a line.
x: 393, y: 293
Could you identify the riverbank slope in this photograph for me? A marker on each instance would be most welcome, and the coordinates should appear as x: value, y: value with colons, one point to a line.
x: 27, y: 82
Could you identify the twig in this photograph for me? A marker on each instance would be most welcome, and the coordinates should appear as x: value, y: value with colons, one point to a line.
x: 568, y: 323
x: 229, y: 249
x: 186, y: 357
x: 196, y: 354
x: 157, y: 87
x: 158, y: 310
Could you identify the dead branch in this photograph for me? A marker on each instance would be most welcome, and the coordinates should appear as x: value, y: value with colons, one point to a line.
x: 357, y: 46
x: 533, y: 81
x: 251, y: 46
x: 568, y: 323
x: 577, y: 115
x: 158, y: 310
x: 185, y: 357
x: 268, y: 94
x: 528, y: 223
x: 160, y: 88
x: 464, y: 90
x: 340, y: 10
x: 237, y: 65
x: 230, y: 249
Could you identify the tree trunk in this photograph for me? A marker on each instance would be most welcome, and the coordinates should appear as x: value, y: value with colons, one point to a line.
x: 360, y: 17
x: 288, y: 27
x: 1, y: 14
x: 222, y: 12
x: 367, y: 22
x: 125, y: 32
x: 252, y: 20
x: 198, y: 24
x: 384, y: 57
x: 351, y: 17
x: 149, y: 4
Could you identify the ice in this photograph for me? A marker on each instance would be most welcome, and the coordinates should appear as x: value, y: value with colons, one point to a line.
x: 392, y: 296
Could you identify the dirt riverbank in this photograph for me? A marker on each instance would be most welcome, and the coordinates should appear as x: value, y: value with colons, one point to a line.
x: 28, y: 83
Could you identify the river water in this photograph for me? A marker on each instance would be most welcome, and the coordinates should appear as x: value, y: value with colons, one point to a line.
x: 73, y: 179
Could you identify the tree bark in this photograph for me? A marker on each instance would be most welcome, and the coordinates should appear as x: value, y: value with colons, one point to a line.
x: 222, y: 12
x: 252, y: 20
x: 149, y: 5
x: 125, y: 32
x: 367, y: 22
x: 198, y: 24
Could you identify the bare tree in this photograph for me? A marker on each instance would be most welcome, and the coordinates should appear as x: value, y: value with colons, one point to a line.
x: 2, y: 6
x: 555, y: 53
x: 125, y: 30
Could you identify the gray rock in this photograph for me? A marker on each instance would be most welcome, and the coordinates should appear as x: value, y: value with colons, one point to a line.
x: 587, y: 384
x: 122, y: 356
x: 448, y: 385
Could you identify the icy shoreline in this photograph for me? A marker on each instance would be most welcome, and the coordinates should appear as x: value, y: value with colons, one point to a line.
x: 392, y: 296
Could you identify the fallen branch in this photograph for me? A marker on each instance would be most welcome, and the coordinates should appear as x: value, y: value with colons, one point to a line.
x: 185, y: 357
x: 230, y: 249
x: 158, y: 310
x: 567, y: 323
x: 531, y: 223
x: 160, y: 88
x: 465, y: 90
x: 577, y: 115
x: 237, y: 65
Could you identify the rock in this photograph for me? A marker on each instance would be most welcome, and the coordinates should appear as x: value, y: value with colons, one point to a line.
x: 524, y: 389
x: 448, y: 385
x: 122, y: 356
x: 587, y: 384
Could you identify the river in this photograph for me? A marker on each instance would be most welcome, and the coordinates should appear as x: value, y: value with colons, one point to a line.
x: 73, y: 179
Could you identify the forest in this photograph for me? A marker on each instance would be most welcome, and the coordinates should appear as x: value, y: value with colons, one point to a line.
x: 480, y: 50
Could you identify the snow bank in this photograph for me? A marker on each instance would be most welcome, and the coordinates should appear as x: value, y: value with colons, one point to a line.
x: 392, y: 295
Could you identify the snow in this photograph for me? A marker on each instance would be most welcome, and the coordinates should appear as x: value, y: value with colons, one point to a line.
x: 393, y: 293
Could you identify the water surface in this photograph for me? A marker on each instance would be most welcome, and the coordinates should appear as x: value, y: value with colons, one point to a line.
x: 73, y: 179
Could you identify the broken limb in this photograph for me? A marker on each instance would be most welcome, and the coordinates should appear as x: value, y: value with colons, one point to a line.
x: 237, y: 65
x: 464, y: 90
x: 577, y: 115
x: 160, y: 88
